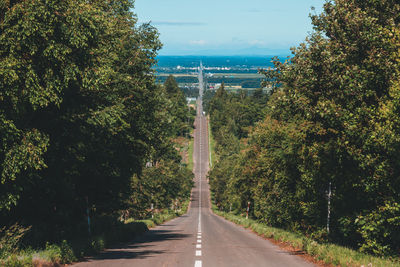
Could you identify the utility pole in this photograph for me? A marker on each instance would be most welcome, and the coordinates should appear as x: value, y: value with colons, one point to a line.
x: 329, y: 207
x: 88, y: 215
x: 248, y: 209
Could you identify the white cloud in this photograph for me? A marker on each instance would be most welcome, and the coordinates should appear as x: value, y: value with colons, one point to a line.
x: 177, y: 23
x: 198, y: 42
x: 254, y: 10
x: 257, y: 42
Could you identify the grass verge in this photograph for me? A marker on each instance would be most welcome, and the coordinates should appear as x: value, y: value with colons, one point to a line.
x: 166, y: 215
x: 190, y: 152
x: 67, y: 252
x: 211, y: 145
x: 329, y: 254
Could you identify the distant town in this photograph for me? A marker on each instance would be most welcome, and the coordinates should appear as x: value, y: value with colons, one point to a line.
x: 237, y: 73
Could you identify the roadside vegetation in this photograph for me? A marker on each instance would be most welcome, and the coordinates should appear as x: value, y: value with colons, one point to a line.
x: 211, y: 145
x: 318, y: 155
x: 87, y: 144
x: 108, y: 232
x: 190, y: 163
x: 321, y: 252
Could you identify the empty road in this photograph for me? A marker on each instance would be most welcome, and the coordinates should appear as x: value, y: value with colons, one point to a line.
x: 199, y: 238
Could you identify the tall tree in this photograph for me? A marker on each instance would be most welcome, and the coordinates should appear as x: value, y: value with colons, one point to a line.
x: 77, y: 114
x: 179, y: 111
x: 331, y: 132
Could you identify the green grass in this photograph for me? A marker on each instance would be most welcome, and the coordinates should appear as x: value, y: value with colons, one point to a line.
x: 52, y: 255
x: 67, y: 252
x: 328, y: 253
x: 211, y: 145
x: 163, y: 216
x: 190, y: 153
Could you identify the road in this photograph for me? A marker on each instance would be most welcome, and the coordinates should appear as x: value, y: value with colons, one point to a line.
x: 201, y: 80
x: 199, y: 238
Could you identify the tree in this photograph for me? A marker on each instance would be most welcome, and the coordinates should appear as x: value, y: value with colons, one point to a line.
x: 340, y: 84
x: 331, y: 124
x: 77, y: 99
x: 179, y: 111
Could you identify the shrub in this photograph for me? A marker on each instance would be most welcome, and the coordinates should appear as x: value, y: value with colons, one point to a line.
x: 380, y: 230
x: 10, y: 239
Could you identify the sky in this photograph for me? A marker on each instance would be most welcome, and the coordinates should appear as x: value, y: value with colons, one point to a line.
x: 229, y: 27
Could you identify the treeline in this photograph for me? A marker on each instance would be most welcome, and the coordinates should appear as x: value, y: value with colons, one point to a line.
x: 190, y: 91
x: 232, y: 117
x: 324, y: 160
x: 179, y: 79
x: 84, y: 128
x: 244, y: 82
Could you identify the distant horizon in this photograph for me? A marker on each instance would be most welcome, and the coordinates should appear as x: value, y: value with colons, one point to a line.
x: 223, y: 55
x: 226, y: 27
x: 205, y: 55
x: 253, y: 52
x: 261, y: 61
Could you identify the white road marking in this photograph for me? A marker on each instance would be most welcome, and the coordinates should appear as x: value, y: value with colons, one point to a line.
x: 200, y: 173
x: 198, y: 263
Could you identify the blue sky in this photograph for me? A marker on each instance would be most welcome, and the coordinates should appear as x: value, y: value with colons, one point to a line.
x: 228, y: 27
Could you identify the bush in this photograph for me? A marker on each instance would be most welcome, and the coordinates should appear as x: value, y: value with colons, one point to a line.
x: 327, y: 253
x: 10, y: 239
x: 98, y: 244
x: 67, y: 253
x: 380, y: 230
x: 61, y: 253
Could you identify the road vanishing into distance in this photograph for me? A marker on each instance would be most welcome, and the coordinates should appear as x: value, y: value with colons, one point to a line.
x: 198, y: 238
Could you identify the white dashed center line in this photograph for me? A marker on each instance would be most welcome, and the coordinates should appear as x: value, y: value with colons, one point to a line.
x: 198, y: 263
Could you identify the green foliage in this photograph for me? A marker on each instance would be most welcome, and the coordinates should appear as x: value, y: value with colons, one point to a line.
x: 10, y: 239
x: 339, y: 91
x: 332, y: 119
x: 108, y: 231
x: 231, y: 118
x: 325, y: 252
x: 231, y: 115
x: 379, y: 230
x: 190, y: 151
x: 80, y: 117
x: 178, y: 110
x: 59, y: 253
x: 164, y: 185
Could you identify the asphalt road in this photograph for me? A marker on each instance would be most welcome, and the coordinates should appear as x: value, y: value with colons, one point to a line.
x: 199, y: 238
